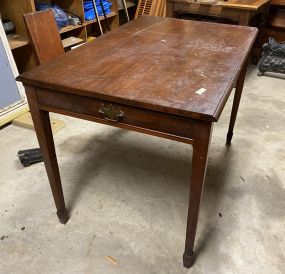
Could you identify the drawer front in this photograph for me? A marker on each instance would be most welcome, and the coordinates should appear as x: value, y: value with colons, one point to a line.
x: 114, y: 114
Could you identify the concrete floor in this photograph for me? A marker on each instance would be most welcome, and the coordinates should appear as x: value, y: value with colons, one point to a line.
x: 128, y: 195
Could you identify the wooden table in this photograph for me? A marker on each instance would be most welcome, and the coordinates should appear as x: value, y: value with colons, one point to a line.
x: 154, y: 75
x: 240, y: 11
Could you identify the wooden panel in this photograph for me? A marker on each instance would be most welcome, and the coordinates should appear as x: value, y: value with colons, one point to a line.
x: 114, y: 7
x: 45, y: 40
x: 169, y: 124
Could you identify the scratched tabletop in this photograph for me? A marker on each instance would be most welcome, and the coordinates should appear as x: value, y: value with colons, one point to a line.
x: 181, y: 67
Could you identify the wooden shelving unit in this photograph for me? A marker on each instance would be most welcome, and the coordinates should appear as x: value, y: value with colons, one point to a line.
x: 275, y: 22
x: 19, y: 42
x: 69, y: 28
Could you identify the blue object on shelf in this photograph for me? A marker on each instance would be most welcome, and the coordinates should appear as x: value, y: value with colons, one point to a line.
x: 89, y: 9
x: 60, y: 16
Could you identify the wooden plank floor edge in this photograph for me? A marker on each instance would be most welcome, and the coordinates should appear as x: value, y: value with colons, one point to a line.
x: 10, y: 116
x: 26, y: 121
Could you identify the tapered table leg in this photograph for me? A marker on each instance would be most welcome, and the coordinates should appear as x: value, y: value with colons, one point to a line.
x: 44, y: 133
x: 238, y: 92
x: 201, y: 141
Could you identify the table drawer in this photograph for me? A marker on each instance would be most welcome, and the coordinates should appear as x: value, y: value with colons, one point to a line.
x: 115, y: 114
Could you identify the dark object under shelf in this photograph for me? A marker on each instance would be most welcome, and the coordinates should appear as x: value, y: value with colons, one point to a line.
x: 9, y: 26
x: 273, y: 57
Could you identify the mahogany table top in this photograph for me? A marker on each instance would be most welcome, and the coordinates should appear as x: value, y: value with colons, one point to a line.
x: 180, y: 67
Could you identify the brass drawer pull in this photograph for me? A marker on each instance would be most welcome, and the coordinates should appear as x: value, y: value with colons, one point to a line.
x: 111, y: 112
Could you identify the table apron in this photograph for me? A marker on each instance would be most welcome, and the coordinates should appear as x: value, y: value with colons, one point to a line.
x: 146, y: 121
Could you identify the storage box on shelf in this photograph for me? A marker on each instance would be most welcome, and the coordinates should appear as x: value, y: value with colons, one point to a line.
x: 19, y: 42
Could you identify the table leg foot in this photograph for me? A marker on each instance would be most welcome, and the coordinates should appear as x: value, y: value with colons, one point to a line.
x: 63, y: 216
x: 188, y: 259
x: 229, y: 138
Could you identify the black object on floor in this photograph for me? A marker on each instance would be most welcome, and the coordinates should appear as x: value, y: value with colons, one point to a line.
x: 273, y: 57
x: 30, y: 156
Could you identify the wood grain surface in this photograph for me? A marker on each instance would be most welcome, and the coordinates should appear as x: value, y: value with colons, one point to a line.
x: 154, y: 75
x: 155, y: 63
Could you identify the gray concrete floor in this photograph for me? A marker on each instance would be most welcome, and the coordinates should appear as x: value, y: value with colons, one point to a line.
x: 128, y: 195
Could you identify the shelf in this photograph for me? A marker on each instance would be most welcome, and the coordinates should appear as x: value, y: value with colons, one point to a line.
x: 129, y: 4
x: 70, y: 28
x: 71, y: 41
x: 112, y: 14
x: 17, y: 41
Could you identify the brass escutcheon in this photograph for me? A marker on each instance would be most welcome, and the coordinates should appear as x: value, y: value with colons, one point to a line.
x: 111, y: 112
